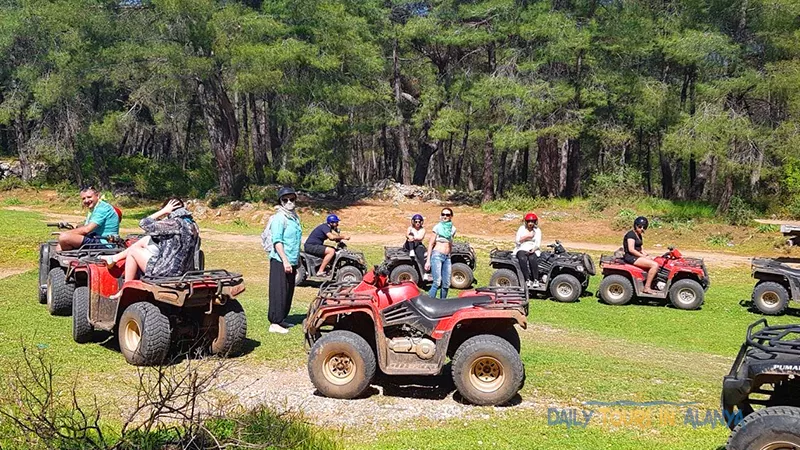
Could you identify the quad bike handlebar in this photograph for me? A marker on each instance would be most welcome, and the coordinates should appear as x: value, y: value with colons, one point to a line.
x: 61, y: 225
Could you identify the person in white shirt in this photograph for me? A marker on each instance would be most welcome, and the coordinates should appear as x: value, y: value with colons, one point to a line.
x: 529, y: 238
x: 414, y: 238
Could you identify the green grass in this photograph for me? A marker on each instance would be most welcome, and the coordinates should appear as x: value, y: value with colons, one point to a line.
x: 586, y: 351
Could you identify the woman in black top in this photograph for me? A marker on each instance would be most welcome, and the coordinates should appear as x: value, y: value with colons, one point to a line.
x: 634, y: 254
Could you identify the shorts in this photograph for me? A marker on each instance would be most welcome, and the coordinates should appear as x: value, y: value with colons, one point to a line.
x: 629, y: 259
x: 92, y: 239
x: 315, y: 249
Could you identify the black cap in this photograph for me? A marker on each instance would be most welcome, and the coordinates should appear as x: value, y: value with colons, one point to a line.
x: 284, y: 191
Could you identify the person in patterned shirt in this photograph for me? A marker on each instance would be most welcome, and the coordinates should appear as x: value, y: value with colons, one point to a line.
x: 168, y: 249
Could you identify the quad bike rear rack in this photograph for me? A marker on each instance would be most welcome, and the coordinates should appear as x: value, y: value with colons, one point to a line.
x: 219, y: 277
x: 771, y: 339
x: 504, y: 297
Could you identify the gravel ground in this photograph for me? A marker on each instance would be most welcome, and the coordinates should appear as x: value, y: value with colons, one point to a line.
x: 385, y: 402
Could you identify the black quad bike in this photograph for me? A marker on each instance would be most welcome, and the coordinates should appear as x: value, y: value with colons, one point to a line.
x: 777, y: 284
x: 347, y: 266
x: 403, y: 266
x: 761, y: 393
x: 56, y: 277
x: 565, y: 275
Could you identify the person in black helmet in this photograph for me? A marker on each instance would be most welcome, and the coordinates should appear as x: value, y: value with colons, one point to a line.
x: 284, y: 258
x: 634, y: 254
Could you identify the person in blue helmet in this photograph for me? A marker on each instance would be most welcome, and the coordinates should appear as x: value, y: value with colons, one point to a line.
x: 315, y: 244
x: 415, y: 235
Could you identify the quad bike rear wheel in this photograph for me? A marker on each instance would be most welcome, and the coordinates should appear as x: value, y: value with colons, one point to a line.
x: 404, y: 272
x: 300, y: 275
x: 144, y: 334
x: 616, y: 290
x: 341, y: 364
x: 565, y: 288
x: 770, y: 298
x: 461, y: 276
x: 231, y: 330
x: 504, y: 278
x: 82, y: 329
x: 487, y: 370
x: 59, y: 293
x: 349, y: 274
x: 686, y: 294
x: 773, y: 428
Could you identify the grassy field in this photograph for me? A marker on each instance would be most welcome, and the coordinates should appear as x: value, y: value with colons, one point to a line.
x: 573, y: 353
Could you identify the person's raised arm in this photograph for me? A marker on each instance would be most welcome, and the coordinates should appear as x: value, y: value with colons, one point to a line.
x: 155, y: 227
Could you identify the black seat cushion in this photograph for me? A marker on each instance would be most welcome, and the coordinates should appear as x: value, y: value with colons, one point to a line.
x: 435, y: 308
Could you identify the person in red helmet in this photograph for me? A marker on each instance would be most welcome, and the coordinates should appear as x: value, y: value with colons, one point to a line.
x: 529, y: 238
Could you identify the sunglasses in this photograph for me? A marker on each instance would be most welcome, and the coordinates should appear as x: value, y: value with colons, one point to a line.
x: 417, y: 221
x: 530, y: 221
x: 288, y: 199
x: 447, y: 215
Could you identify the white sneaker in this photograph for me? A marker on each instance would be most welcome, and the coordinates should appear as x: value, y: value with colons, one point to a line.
x: 275, y: 328
x: 535, y: 284
x: 529, y: 283
x: 286, y: 324
x: 427, y: 277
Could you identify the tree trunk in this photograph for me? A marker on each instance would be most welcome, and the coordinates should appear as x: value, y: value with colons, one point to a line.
x: 488, y: 168
x: 21, y: 138
x: 401, y: 130
x: 698, y: 186
x: 526, y: 154
x: 727, y: 194
x: 573, y: 183
x: 259, y: 137
x: 273, y: 140
x: 462, y: 157
x: 223, y: 131
x: 548, y: 161
x: 501, y: 173
x: 667, y: 186
x: 562, y: 167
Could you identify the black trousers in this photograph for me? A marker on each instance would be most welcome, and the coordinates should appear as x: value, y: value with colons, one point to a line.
x: 529, y: 263
x: 419, y: 250
x: 281, y: 291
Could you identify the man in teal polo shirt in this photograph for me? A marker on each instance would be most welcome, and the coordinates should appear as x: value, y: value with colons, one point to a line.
x: 286, y: 234
x: 101, y: 221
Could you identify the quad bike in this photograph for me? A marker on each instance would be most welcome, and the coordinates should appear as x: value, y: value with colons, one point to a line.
x: 403, y: 266
x: 684, y: 280
x: 152, y: 313
x: 563, y: 274
x: 347, y: 266
x: 765, y: 375
x: 353, y: 330
x: 777, y: 284
x: 56, y: 280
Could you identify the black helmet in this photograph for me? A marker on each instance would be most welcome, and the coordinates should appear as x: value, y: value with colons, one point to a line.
x: 284, y: 191
x: 641, y: 221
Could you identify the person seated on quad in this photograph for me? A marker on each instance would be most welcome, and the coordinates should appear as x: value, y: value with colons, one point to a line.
x: 632, y: 246
x: 414, y: 238
x: 315, y: 244
x: 167, y: 250
x: 101, y: 222
x: 528, y: 241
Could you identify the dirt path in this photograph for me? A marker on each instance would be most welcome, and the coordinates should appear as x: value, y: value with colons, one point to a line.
x: 5, y: 273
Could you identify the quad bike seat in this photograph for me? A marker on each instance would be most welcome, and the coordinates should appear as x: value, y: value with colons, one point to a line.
x: 439, y: 307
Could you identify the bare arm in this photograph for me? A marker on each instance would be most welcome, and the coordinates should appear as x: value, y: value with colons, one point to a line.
x: 632, y: 250
x: 85, y: 229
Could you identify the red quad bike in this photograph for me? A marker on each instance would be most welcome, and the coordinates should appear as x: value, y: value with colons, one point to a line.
x: 685, y: 280
x: 352, y: 330
x: 152, y: 313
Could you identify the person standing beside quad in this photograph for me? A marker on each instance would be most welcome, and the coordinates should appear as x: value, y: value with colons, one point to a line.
x: 634, y: 254
x: 438, y: 259
x: 315, y: 244
x: 101, y: 221
x: 527, y: 251
x: 415, y: 237
x: 285, y: 233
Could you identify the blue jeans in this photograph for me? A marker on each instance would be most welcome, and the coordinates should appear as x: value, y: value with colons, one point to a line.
x: 440, y: 271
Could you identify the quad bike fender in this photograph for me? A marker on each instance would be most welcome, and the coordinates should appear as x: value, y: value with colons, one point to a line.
x: 447, y: 324
x: 102, y: 283
x: 328, y: 315
x: 778, y: 276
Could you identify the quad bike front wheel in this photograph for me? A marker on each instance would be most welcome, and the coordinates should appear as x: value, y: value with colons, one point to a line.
x: 773, y: 428
x: 770, y: 298
x: 349, y: 275
x: 144, y: 334
x: 341, y: 364
x: 404, y: 272
x: 686, y: 294
x: 82, y: 329
x: 231, y: 330
x: 461, y: 276
x: 59, y: 293
x: 487, y: 370
x: 616, y: 290
x: 504, y: 278
x: 565, y: 288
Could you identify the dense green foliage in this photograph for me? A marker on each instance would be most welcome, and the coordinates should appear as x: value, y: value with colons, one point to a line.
x: 687, y: 100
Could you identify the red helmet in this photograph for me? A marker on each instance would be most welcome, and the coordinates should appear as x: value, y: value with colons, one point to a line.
x: 531, y: 217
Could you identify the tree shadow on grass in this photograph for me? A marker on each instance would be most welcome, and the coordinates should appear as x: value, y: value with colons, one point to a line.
x: 179, y: 351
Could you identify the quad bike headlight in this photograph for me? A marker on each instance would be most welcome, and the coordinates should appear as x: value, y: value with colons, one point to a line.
x: 580, y: 268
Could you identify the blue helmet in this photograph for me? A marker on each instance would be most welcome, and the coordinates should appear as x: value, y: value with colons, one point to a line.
x: 417, y: 217
x: 331, y: 219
